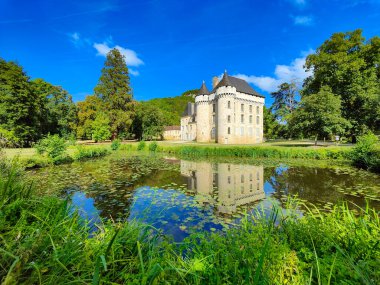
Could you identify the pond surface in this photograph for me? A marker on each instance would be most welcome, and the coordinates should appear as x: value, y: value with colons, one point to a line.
x: 180, y: 196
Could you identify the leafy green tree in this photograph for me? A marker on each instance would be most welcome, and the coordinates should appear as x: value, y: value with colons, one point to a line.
x: 319, y: 115
x: 272, y: 127
x: 58, y: 111
x: 350, y: 66
x: 114, y: 91
x: 100, y: 128
x: 87, y: 111
x: 148, y: 123
x: 19, y: 105
x: 284, y: 100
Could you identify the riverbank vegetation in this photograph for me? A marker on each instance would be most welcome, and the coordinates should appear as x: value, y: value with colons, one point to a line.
x: 43, y: 240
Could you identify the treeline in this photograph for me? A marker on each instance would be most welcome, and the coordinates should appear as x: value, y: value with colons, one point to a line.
x: 32, y: 109
x: 341, y: 97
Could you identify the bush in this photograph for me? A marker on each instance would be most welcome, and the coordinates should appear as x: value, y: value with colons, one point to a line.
x: 100, y: 128
x: 141, y: 145
x: 61, y: 159
x: 52, y: 145
x: 153, y: 146
x: 365, y: 154
x: 89, y: 152
x: 115, y: 145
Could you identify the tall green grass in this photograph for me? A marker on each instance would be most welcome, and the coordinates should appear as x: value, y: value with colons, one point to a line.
x: 258, y: 152
x: 43, y: 241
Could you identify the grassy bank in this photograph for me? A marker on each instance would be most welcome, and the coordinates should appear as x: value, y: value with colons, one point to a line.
x: 42, y: 241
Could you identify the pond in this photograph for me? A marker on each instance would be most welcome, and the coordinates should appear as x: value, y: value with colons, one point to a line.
x: 179, y: 196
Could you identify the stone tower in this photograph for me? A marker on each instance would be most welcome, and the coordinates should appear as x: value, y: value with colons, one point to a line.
x: 202, y: 108
x: 225, y: 94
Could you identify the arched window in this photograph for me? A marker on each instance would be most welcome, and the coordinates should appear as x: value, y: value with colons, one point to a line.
x: 228, y: 119
x: 229, y: 104
x: 229, y: 130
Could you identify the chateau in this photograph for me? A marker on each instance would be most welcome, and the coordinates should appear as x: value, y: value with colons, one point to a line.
x: 232, y: 113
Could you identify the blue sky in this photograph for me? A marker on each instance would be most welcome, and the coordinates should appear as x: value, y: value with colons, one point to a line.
x: 171, y: 46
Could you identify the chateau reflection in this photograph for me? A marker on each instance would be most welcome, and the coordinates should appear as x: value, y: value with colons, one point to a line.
x: 225, y: 184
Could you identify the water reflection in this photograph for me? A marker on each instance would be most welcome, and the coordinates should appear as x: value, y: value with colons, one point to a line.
x: 227, y: 186
x: 178, y: 196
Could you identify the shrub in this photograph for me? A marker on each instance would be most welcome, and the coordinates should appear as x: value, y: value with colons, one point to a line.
x: 64, y: 158
x: 89, y: 152
x: 115, y: 145
x: 365, y: 154
x: 153, y: 146
x: 100, y: 128
x: 52, y: 145
x: 141, y: 145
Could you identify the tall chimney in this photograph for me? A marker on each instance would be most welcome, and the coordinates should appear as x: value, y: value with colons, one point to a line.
x: 215, y: 81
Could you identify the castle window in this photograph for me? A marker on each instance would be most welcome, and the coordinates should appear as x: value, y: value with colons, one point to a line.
x: 229, y: 104
x: 213, y: 119
x: 257, y: 110
x: 242, y: 107
x: 229, y: 130
x: 228, y: 119
x: 242, y: 118
x: 250, y: 132
x: 258, y: 120
x: 242, y: 131
x: 213, y: 107
x: 250, y: 108
x: 250, y: 119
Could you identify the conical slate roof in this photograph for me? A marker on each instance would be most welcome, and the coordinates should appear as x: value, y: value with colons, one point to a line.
x: 203, y: 90
x: 240, y: 85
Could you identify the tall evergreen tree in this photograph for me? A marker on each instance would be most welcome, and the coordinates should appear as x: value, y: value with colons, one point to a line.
x: 284, y: 100
x: 115, y: 92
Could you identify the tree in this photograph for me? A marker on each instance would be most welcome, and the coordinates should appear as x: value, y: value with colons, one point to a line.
x: 100, y: 128
x: 319, y: 115
x: 19, y: 104
x: 148, y: 123
x: 87, y: 111
x: 59, y: 113
x: 350, y: 66
x: 271, y: 126
x: 284, y: 100
x: 115, y: 93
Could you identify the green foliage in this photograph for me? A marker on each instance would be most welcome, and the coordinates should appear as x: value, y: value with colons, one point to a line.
x: 87, y: 111
x: 284, y: 101
x: 272, y: 128
x: 8, y: 138
x: 19, y: 104
x: 366, y: 154
x: 115, y: 145
x: 115, y: 93
x: 349, y: 65
x: 53, y: 145
x: 83, y: 152
x: 141, y: 145
x: 153, y: 146
x: 148, y: 123
x: 171, y: 107
x: 100, y: 128
x: 318, y: 115
x: 257, y: 152
x: 44, y: 242
x: 58, y: 111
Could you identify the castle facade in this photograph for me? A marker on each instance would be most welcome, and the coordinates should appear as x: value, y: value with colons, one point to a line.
x: 232, y: 113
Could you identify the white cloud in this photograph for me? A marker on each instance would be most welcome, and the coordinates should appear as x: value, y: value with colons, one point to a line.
x: 303, y: 20
x: 283, y: 73
x: 75, y: 36
x: 131, y: 57
x: 134, y: 72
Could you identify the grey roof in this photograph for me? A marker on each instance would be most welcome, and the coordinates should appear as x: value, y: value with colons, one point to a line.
x: 240, y: 85
x: 189, y: 110
x: 203, y: 90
